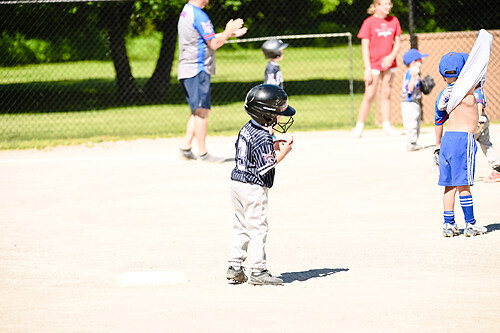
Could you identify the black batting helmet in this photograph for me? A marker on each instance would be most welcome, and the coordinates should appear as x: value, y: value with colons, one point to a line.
x: 265, y: 102
x: 272, y: 48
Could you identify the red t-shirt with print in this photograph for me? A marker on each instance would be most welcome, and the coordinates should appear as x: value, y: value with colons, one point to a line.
x: 381, y: 33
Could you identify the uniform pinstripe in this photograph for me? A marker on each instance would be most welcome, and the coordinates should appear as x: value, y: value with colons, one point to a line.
x: 255, y: 156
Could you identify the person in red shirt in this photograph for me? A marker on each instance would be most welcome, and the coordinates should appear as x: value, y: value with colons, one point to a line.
x: 380, y: 43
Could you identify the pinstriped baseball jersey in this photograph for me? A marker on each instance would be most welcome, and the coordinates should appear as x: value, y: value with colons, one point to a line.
x: 273, y: 74
x: 195, y: 28
x: 255, y: 156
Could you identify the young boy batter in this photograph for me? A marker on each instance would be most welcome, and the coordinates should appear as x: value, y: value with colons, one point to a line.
x: 252, y: 177
x: 457, y: 147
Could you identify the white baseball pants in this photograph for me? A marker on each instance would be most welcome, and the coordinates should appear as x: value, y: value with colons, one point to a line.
x: 250, y: 228
x: 411, y: 113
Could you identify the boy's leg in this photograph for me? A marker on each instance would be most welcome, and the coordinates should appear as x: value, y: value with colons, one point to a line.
x: 256, y: 216
x: 450, y: 228
x: 471, y: 228
x: 257, y: 227
x: 411, y: 123
x: 240, y: 238
x: 449, y: 198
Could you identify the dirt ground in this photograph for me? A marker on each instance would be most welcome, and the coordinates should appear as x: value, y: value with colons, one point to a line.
x: 355, y: 233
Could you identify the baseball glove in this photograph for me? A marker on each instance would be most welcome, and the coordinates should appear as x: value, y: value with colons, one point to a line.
x: 426, y: 84
x: 436, y: 155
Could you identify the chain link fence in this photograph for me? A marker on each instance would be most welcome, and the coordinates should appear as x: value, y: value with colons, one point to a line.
x: 73, y: 70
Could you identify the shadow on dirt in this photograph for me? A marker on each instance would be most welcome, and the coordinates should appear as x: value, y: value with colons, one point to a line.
x: 493, y: 227
x: 290, y: 277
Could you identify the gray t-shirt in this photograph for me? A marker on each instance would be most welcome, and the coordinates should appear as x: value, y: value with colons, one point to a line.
x: 195, y: 28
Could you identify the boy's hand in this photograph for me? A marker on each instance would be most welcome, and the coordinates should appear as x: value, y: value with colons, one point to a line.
x: 414, y: 70
x: 285, y: 145
x: 277, y: 144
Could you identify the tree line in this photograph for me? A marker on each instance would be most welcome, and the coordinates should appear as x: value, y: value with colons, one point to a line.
x: 97, y: 30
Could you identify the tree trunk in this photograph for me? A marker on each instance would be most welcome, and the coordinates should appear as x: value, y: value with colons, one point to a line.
x: 157, y: 86
x: 117, y: 20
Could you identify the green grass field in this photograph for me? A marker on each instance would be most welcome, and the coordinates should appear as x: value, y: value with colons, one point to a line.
x: 73, y: 103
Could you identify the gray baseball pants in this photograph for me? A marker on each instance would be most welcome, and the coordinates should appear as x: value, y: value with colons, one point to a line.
x: 483, y: 138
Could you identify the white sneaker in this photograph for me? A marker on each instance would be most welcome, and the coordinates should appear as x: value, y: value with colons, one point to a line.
x: 413, y: 147
x: 356, y: 133
x: 391, y: 131
x: 474, y: 230
x: 450, y: 230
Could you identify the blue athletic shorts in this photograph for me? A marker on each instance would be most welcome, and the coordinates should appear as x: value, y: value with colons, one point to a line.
x: 457, y: 159
x: 197, y: 91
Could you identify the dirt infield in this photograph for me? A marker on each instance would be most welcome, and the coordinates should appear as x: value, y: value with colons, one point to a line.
x: 355, y: 232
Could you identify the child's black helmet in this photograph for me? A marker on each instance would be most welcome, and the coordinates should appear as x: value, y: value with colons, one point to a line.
x: 265, y: 102
x: 272, y: 48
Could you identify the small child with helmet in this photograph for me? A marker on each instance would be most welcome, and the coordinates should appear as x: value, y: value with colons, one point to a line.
x: 273, y: 50
x: 256, y: 158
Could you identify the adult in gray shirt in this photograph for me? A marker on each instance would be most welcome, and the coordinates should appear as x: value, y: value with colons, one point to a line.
x: 197, y: 44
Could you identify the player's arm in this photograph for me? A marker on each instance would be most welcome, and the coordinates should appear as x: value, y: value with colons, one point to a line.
x: 234, y: 28
x: 438, y: 131
x: 480, y: 100
x: 413, y: 78
x: 441, y: 116
x: 389, y: 59
x: 284, y: 148
x: 480, y: 108
x: 365, y: 48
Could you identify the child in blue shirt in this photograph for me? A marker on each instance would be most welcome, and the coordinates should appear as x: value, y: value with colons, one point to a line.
x: 411, y: 107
